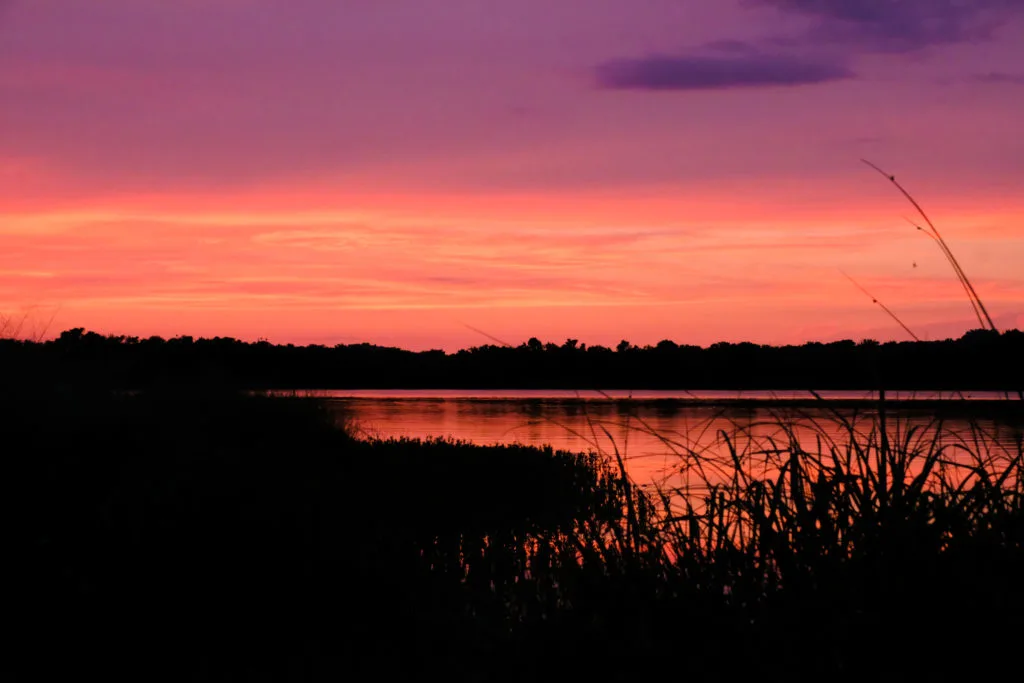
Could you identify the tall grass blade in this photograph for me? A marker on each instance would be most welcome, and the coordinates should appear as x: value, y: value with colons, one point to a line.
x: 973, y: 295
x: 883, y: 306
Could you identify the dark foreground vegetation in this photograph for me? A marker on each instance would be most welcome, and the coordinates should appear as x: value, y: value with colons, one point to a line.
x: 170, y: 535
x: 980, y: 360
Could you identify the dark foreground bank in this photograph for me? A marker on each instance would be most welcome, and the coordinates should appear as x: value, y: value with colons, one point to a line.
x: 176, y: 536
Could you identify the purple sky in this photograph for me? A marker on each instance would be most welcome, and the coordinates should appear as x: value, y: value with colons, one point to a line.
x: 498, y: 123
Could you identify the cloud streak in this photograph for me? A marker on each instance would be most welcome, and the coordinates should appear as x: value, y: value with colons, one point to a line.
x: 696, y: 72
x: 1000, y: 77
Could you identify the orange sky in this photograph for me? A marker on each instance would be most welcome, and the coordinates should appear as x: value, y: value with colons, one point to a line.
x: 338, y: 175
x: 417, y: 270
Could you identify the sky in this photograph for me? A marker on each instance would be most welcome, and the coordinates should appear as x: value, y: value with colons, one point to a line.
x: 423, y: 174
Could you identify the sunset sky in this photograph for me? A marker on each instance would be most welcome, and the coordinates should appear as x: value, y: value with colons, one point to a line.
x: 400, y: 171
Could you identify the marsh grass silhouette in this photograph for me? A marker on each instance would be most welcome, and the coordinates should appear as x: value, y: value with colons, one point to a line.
x: 224, y: 536
x: 823, y: 536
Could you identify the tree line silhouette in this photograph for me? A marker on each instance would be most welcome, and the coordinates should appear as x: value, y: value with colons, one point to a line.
x: 979, y: 360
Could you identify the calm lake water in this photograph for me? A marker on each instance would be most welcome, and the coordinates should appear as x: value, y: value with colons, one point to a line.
x: 651, y: 428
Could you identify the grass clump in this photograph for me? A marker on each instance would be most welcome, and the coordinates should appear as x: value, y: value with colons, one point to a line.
x: 857, y: 535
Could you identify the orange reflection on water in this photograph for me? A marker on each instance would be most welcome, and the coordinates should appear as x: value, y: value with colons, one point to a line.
x: 662, y: 441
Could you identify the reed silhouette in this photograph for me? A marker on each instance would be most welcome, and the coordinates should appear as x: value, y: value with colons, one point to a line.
x: 984, y: 319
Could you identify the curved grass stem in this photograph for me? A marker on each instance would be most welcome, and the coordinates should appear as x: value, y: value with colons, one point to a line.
x: 934, y: 233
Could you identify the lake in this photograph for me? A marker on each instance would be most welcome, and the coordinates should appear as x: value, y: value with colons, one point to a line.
x: 651, y: 428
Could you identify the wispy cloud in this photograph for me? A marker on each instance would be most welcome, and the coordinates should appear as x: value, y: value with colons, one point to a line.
x: 138, y: 264
x: 1000, y: 77
x: 742, y: 69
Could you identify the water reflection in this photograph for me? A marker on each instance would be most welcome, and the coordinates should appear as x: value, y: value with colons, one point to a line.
x: 657, y: 394
x: 652, y: 435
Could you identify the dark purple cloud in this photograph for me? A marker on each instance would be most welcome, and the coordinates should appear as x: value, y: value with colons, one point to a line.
x: 743, y: 68
x: 833, y: 32
x: 899, y: 25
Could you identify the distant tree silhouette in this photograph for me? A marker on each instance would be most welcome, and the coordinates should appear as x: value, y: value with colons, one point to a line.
x: 981, y: 359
